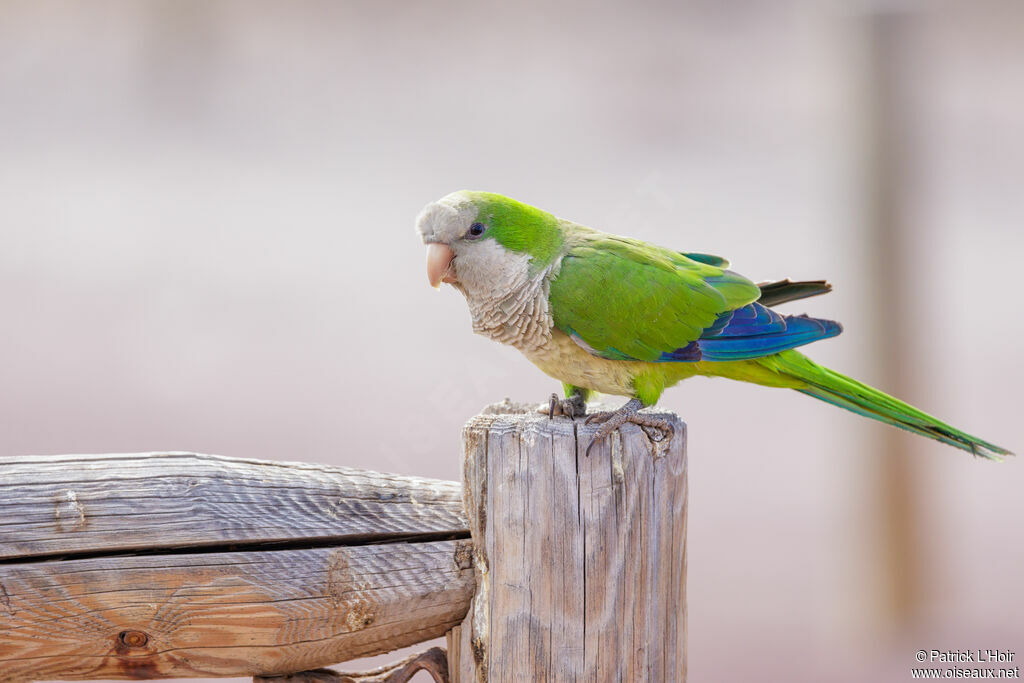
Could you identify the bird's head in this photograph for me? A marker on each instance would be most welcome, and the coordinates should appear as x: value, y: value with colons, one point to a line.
x: 481, y: 242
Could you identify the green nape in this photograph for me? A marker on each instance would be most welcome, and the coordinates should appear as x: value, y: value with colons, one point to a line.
x: 519, y: 227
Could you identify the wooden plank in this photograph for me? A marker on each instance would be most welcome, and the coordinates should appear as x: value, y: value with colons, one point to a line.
x: 116, y: 503
x: 461, y: 667
x: 226, y: 614
x: 580, y: 561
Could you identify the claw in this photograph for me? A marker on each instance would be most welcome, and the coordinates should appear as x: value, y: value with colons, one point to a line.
x: 628, y: 413
x: 571, y: 407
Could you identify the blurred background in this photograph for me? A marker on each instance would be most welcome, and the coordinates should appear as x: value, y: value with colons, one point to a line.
x: 206, y: 243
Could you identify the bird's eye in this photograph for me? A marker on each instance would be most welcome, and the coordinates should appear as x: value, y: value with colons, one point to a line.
x: 476, y: 230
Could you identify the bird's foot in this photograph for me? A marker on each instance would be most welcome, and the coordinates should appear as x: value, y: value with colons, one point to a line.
x: 656, y: 428
x: 572, y: 407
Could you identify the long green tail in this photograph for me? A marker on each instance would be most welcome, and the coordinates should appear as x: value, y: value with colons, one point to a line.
x: 845, y: 392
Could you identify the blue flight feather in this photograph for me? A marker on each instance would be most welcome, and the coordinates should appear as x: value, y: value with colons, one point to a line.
x: 752, y: 331
x: 796, y: 330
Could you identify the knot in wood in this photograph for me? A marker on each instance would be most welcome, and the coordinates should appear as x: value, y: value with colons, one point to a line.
x: 464, y: 554
x: 132, y: 638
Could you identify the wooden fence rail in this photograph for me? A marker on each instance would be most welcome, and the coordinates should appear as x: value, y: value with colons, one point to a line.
x: 182, y: 565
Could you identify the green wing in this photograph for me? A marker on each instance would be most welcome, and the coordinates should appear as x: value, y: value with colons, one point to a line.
x: 628, y: 300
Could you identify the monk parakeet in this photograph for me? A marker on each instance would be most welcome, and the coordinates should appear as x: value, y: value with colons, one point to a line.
x: 619, y: 316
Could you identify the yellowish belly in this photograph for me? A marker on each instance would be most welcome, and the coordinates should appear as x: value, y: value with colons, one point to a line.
x: 566, y: 361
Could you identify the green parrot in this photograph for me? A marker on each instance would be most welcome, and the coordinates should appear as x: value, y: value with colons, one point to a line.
x: 619, y: 316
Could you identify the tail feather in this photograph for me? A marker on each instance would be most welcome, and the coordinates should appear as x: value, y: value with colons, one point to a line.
x: 784, y: 291
x: 857, y: 397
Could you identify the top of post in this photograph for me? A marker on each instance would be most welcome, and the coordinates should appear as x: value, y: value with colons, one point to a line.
x: 529, y: 418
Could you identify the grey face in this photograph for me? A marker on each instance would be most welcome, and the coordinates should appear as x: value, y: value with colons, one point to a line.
x: 447, y: 219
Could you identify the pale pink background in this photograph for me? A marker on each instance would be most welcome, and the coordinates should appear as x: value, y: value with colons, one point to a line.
x: 206, y: 243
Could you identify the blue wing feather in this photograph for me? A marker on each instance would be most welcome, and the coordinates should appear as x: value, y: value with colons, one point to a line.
x: 752, y: 331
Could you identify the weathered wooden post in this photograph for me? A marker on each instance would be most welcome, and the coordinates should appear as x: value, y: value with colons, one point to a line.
x: 580, y: 561
x: 183, y: 565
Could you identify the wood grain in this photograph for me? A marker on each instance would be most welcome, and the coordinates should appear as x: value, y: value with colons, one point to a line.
x: 226, y: 614
x: 580, y: 561
x: 113, y: 503
x: 183, y: 565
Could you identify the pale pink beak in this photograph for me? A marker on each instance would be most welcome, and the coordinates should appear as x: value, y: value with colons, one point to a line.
x: 439, y: 264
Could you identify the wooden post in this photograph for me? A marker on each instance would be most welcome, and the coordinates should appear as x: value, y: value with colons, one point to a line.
x: 580, y: 561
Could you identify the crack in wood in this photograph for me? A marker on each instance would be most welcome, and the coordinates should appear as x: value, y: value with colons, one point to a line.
x: 247, y: 546
x: 5, y: 600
